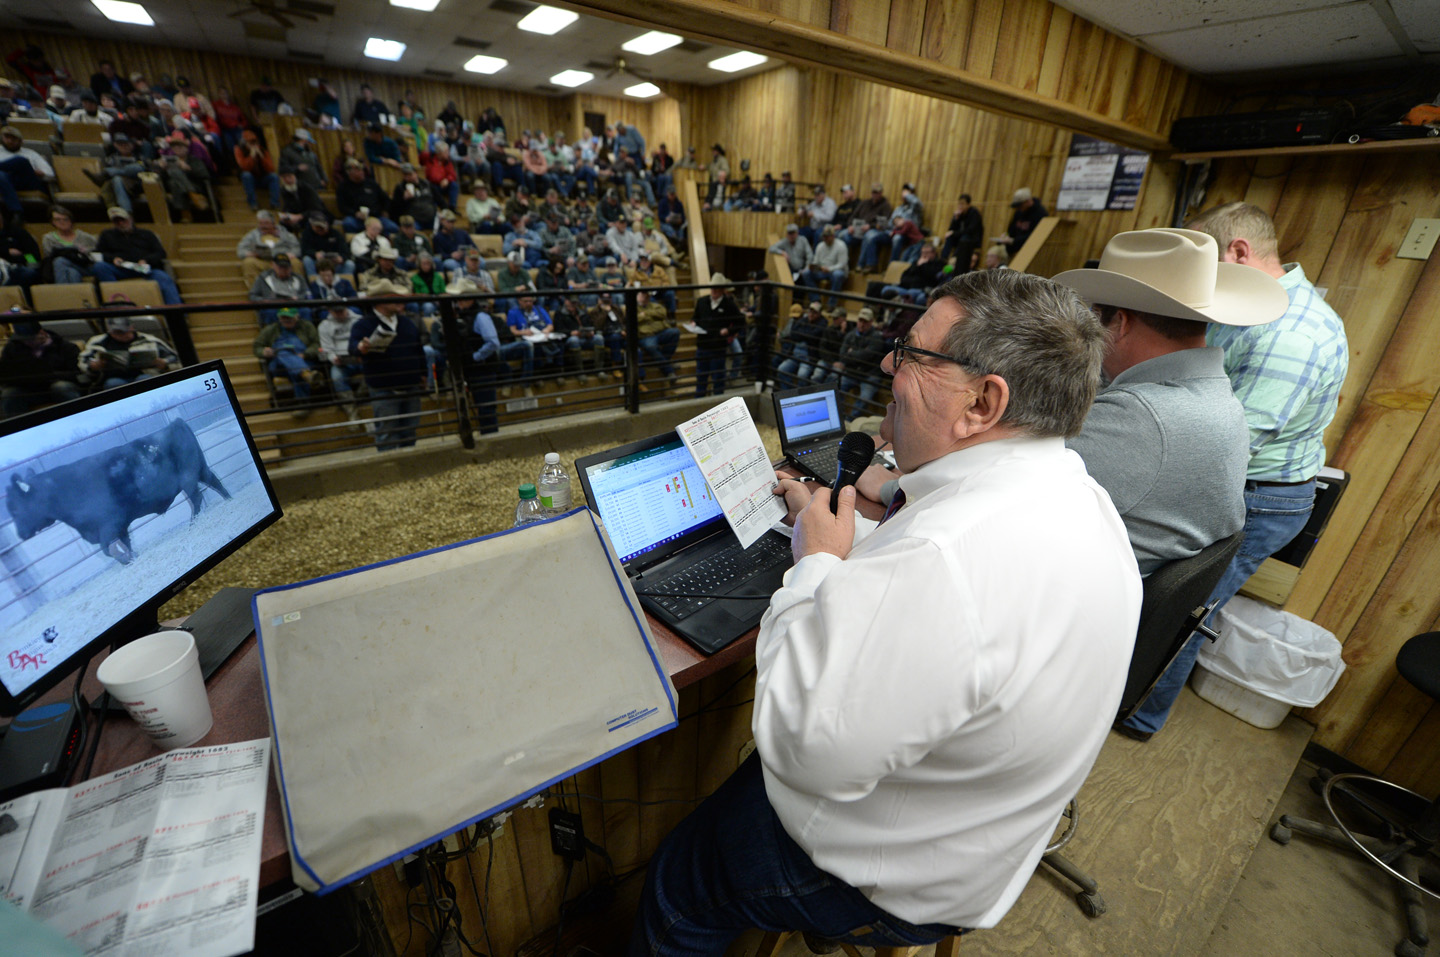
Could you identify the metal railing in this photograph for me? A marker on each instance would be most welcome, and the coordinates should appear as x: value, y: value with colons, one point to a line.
x: 474, y: 397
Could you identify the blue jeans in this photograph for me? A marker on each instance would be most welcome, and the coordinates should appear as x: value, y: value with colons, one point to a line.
x: 109, y: 272
x: 402, y: 410
x: 795, y: 369
x: 293, y: 366
x: 812, y: 277
x: 870, y: 249
x: 1274, y: 514
x: 118, y: 175
x: 631, y: 181
x: 916, y: 296
x: 868, y: 388
x: 268, y: 180
x: 902, y: 250
x: 522, y: 350
x: 343, y: 378
x: 659, y: 349
x: 67, y: 272
x: 16, y: 173
x: 353, y: 224
x: 709, y: 370
x: 730, y: 866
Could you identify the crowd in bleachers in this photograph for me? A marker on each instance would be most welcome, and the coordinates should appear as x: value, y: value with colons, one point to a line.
x: 594, y: 216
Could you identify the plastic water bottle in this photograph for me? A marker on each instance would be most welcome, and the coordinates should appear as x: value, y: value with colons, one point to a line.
x: 554, y: 486
x: 529, y: 509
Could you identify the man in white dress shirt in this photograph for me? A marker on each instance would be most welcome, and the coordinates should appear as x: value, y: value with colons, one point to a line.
x: 930, y: 690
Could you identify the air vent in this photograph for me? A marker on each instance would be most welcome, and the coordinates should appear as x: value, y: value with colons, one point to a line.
x: 691, y: 46
x: 305, y: 55
x: 310, y: 6
x: 512, y: 6
x: 45, y: 23
x: 547, y: 89
x: 264, y: 31
x: 442, y: 74
x: 473, y: 44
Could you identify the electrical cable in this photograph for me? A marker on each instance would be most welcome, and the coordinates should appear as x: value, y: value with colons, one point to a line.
x: 564, y: 891
x: 604, y: 800
x: 728, y: 688
x: 83, y: 711
x: 102, y: 705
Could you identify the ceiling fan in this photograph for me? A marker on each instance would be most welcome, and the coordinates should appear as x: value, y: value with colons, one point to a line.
x: 620, y: 66
x: 271, y: 9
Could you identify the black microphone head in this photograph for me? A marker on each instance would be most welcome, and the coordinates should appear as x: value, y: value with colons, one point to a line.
x: 855, y: 452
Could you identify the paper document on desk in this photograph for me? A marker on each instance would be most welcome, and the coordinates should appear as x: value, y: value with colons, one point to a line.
x: 162, y: 857
x: 726, y: 445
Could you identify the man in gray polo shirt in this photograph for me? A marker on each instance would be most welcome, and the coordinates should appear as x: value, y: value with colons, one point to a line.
x: 1166, y: 437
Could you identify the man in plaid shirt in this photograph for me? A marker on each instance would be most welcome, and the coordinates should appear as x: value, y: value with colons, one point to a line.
x: 1287, y: 374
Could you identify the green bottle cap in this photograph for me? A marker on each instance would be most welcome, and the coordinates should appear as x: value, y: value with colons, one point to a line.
x: 527, y: 490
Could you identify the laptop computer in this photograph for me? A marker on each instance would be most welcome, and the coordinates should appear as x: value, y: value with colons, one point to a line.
x: 810, y: 428
x: 675, y: 544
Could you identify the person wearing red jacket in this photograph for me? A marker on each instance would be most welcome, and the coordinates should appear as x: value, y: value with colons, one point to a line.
x: 440, y: 171
x: 256, y: 168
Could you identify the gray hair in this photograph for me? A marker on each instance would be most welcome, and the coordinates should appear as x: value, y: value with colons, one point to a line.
x: 1239, y: 221
x: 264, y: 216
x: 1039, y: 336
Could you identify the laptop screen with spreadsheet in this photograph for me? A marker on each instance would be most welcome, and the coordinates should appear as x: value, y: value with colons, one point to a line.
x: 649, y: 494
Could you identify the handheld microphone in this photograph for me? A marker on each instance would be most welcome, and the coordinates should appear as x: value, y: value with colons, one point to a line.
x: 856, y: 451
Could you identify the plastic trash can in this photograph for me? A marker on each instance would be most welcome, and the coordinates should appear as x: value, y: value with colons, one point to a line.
x: 1265, y: 662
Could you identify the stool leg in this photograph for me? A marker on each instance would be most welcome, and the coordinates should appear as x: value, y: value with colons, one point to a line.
x: 1411, y: 901
x: 1089, y: 899
x: 770, y: 943
x: 949, y: 947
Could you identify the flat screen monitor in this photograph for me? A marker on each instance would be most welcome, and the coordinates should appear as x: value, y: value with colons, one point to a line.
x: 109, y: 506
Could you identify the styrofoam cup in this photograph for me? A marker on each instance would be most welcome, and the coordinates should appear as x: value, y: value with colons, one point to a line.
x: 157, y: 679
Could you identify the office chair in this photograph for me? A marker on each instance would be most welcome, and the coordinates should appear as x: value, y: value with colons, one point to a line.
x: 1172, y: 609
x: 1404, y: 829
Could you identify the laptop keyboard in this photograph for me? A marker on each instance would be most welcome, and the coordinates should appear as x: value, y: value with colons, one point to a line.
x: 820, y: 461
x: 717, y: 573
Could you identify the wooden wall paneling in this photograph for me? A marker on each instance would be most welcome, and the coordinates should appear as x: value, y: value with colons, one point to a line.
x: 620, y: 784
x: 1417, y: 764
x: 1368, y: 285
x: 867, y: 20
x: 592, y: 816
x: 1150, y: 81
x: 1399, y: 717
x: 667, y: 773
x: 906, y: 26
x: 1023, y: 36
x: 1228, y: 183
x: 1267, y: 181
x: 724, y: 729
x: 1082, y: 62
x: 814, y: 12
x: 1309, y: 212
x: 986, y: 22
x: 543, y: 873
x: 1405, y: 604
x: 946, y: 37
x: 1156, y: 204
x: 1389, y: 449
x: 1053, y: 59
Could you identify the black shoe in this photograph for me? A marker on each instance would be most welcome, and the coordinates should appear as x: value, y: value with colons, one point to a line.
x: 1132, y: 733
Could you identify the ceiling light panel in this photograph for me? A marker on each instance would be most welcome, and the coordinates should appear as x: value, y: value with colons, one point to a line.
x: 743, y: 60
x: 384, y: 49
x: 480, y: 63
x: 649, y: 44
x: 642, y: 90
x: 122, y: 12
x: 427, y: 5
x: 547, y: 20
x: 571, y: 78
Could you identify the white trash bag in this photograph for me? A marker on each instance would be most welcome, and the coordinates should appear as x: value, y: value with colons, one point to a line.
x: 1273, y: 653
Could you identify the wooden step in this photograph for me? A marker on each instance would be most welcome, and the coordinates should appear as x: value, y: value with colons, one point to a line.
x: 201, y: 251
x: 213, y: 269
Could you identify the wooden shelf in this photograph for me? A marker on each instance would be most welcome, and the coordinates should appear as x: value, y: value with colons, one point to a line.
x: 1374, y: 146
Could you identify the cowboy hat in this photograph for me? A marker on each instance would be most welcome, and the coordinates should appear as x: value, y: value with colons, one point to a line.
x: 1178, y: 273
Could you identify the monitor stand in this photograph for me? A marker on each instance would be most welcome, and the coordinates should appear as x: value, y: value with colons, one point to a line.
x: 220, y: 626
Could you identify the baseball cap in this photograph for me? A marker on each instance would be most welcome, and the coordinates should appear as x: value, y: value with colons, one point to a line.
x: 796, y: 309
x: 120, y: 138
x: 390, y: 253
x: 117, y: 323
x: 318, y: 217
x: 407, y: 167
x: 447, y: 215
x: 25, y: 330
x: 866, y: 315
x: 1022, y: 195
x: 282, y: 259
x: 354, y: 164
x: 516, y: 256
x: 289, y: 313
x: 407, y: 220
x: 303, y: 134
x: 815, y: 306
x: 117, y: 212
x: 57, y: 90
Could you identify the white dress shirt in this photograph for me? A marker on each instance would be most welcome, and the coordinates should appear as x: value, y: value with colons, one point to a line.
x: 925, y: 708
